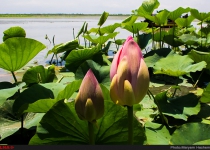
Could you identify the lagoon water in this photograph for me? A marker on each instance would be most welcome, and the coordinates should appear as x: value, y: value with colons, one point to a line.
x: 62, y: 28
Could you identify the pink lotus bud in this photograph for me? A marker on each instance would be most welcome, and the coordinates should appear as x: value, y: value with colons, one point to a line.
x: 129, y: 75
x: 89, y: 103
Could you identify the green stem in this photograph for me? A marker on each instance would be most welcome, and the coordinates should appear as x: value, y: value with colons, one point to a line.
x: 91, y: 133
x: 175, y: 88
x: 159, y: 109
x: 160, y: 37
x: 198, y: 78
x: 14, y: 76
x: 130, y: 124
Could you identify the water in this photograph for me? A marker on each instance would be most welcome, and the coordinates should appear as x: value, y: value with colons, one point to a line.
x: 62, y: 28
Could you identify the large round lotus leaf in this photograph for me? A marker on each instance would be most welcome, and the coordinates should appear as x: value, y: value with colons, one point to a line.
x: 18, y: 51
x: 191, y: 133
x: 200, y: 56
x: 14, y: 32
x: 176, y: 65
x: 61, y: 126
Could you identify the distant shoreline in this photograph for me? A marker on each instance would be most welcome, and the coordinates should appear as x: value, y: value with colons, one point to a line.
x: 60, y: 15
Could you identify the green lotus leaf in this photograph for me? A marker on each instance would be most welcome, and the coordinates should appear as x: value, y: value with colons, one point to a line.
x: 94, y: 30
x: 103, y: 18
x: 30, y: 95
x: 178, y: 12
x: 179, y: 108
x: 144, y: 39
x: 120, y: 41
x: 81, y: 30
x: 189, y: 39
x: 6, y: 93
x: 153, y: 56
x: 77, y: 57
x: 39, y: 74
x: 129, y: 21
x: 110, y: 28
x: 200, y: 56
x: 190, y: 134
x: 205, y: 30
x: 176, y: 65
x: 201, y: 16
x: 39, y: 106
x: 136, y: 27
x: 102, y: 73
x: 160, y: 19
x: 61, y: 125
x: 100, y: 39
x: 68, y: 91
x: 68, y: 46
x: 184, y: 22
x: 10, y: 126
x: 158, y: 36
x: 17, y: 52
x: 147, y: 7
x: 205, y: 98
x: 157, y: 134
x: 169, y: 39
x: 14, y: 32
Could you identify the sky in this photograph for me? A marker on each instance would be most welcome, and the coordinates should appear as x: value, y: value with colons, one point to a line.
x: 92, y: 6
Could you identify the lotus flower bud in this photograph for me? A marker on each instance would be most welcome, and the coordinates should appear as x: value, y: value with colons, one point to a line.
x: 89, y: 103
x: 129, y: 75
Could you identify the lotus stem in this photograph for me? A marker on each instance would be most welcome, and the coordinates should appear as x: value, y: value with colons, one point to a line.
x: 73, y: 34
x: 52, y: 59
x: 175, y: 88
x: 198, y: 78
x: 201, y: 33
x: 91, y: 133
x: 160, y: 38
x: 130, y: 124
x: 159, y: 109
x: 14, y: 76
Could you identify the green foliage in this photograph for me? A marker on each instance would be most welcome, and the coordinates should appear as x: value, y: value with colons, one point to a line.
x: 6, y: 93
x: 191, y: 134
x: 157, y: 134
x: 179, y: 108
x: 178, y: 12
x: 147, y: 8
x: 160, y: 19
x: 103, y: 18
x: 101, y: 72
x: 67, y: 128
x: 77, y: 57
x: 100, y: 39
x: 205, y: 98
x: 39, y: 74
x: 201, y: 16
x: 16, y: 52
x: 176, y: 65
x: 14, y: 32
x: 184, y: 22
x: 136, y: 27
x: 200, y: 56
x: 63, y: 47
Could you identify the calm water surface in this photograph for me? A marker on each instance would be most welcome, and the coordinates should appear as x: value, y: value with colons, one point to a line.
x: 62, y: 28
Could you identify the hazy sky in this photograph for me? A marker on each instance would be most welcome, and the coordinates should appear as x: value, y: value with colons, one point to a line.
x: 93, y: 6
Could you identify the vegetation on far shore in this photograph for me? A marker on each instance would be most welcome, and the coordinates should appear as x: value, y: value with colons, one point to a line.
x: 55, y: 15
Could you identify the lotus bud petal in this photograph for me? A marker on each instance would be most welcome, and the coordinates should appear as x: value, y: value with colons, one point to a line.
x: 89, y: 103
x: 128, y: 74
